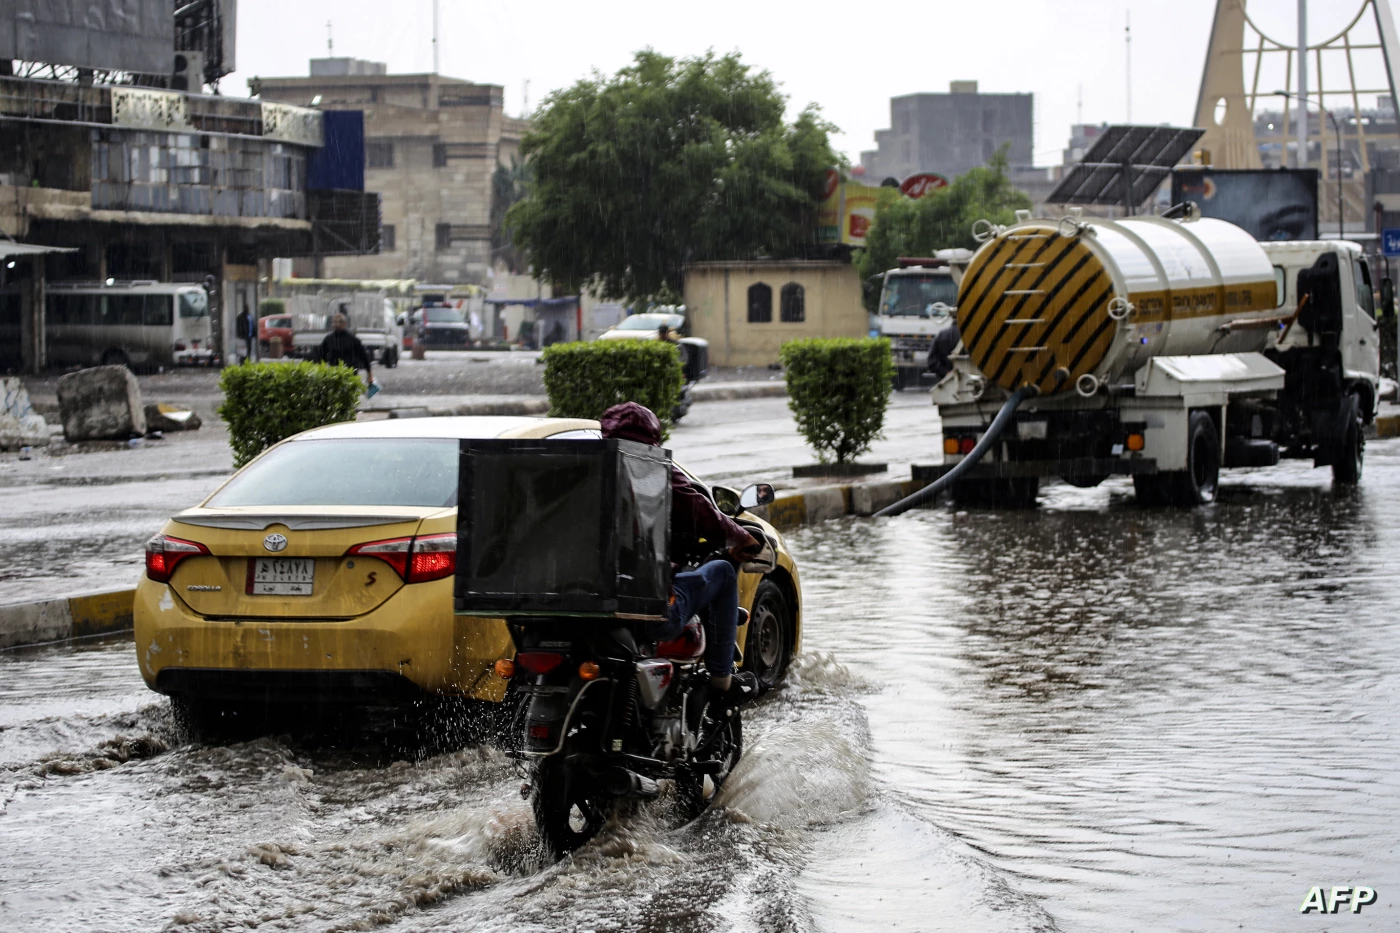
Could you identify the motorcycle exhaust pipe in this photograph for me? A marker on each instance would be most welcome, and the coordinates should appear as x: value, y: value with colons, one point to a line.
x: 621, y: 782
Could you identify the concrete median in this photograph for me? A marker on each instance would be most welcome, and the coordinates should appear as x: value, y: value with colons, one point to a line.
x: 70, y: 617
x: 823, y: 503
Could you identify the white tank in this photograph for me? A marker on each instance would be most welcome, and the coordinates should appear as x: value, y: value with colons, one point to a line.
x: 1046, y: 304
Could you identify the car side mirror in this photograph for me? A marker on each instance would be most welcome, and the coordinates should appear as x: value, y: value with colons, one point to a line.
x: 399, y: 320
x: 756, y: 495
x: 726, y: 500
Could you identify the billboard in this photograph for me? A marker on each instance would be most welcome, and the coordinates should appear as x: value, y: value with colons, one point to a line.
x: 112, y: 35
x: 1271, y: 204
x: 845, y: 211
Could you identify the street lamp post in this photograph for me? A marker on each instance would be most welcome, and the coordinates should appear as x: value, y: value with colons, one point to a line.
x: 1304, y: 100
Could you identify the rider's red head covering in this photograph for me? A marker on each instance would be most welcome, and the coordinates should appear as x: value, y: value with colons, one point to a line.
x: 632, y: 422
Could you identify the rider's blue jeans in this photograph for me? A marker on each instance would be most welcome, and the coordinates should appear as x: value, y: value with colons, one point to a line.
x: 712, y: 591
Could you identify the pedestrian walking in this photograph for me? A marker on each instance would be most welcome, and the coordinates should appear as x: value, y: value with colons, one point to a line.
x: 340, y: 347
x: 246, y: 330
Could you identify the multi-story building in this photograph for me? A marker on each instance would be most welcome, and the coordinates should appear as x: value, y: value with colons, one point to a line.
x: 951, y: 133
x: 432, y: 144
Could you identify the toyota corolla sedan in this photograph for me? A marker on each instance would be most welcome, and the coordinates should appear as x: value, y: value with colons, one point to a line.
x: 322, y: 573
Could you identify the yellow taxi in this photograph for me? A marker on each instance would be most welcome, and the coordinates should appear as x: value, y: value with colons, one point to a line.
x: 322, y: 572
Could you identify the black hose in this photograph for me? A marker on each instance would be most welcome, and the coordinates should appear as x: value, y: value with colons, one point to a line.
x: 993, y: 434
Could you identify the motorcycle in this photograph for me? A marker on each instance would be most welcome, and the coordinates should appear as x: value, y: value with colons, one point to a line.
x: 604, y: 715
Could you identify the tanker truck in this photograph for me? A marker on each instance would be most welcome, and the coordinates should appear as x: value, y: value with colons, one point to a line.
x: 1162, y: 348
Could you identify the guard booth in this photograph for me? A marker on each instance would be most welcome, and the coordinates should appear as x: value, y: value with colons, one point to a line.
x: 563, y: 528
x: 22, y: 279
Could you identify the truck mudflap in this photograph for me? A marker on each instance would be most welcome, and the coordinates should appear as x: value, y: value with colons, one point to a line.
x: 1014, y: 469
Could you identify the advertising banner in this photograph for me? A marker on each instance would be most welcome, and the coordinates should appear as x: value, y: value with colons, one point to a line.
x: 292, y: 124
x: 846, y: 211
x: 1271, y: 204
x: 150, y: 109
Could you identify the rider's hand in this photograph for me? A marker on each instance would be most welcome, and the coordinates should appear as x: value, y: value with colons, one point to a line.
x: 745, y: 550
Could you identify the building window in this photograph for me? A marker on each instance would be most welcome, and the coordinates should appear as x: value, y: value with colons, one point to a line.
x: 793, y: 309
x: 379, y: 154
x: 386, y: 238
x: 444, y: 236
x: 760, y: 304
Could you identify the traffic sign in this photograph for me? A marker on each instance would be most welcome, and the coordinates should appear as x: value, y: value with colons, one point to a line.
x: 1390, y: 241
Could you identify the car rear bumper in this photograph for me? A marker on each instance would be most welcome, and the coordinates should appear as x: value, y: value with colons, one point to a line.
x: 412, y: 638
x: 299, y: 687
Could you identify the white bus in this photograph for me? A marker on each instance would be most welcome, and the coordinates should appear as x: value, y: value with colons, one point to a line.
x: 143, y: 325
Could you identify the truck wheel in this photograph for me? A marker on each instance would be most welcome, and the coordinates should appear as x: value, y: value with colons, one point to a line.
x: 1347, y: 462
x: 1195, y: 485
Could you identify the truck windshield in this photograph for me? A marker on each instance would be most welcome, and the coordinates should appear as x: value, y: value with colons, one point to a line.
x: 915, y: 295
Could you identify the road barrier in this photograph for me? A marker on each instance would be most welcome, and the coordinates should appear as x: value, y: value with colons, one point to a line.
x: 59, y: 619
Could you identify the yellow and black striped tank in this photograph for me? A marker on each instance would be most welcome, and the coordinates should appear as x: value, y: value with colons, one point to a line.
x: 1045, y: 303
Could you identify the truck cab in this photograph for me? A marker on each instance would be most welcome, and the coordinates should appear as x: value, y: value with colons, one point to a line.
x: 917, y: 300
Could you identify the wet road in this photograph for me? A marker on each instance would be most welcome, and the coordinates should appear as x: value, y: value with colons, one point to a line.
x: 1086, y: 718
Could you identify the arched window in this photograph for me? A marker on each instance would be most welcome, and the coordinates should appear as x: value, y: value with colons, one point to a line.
x: 794, y: 304
x: 760, y: 304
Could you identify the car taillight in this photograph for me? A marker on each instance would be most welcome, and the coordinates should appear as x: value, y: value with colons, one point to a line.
x: 415, y: 560
x: 966, y: 444
x: 538, y: 662
x: 163, y: 553
x: 434, y: 557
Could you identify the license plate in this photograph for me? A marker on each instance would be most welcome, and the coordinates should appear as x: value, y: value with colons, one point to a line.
x: 281, y: 576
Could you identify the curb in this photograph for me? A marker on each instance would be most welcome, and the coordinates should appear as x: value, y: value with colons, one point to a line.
x: 59, y: 619
x: 827, y: 502
x: 721, y: 393
x: 1387, y: 426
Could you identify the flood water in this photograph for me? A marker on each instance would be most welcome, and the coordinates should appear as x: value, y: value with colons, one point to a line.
x: 1090, y: 717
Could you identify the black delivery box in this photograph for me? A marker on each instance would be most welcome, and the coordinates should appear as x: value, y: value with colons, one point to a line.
x: 563, y: 528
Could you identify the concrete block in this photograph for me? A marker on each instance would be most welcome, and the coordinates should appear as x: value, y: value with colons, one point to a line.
x: 32, y: 623
x: 99, y: 613
x: 20, y: 425
x: 101, y: 403
x: 163, y: 417
x: 869, y: 498
x: 827, y: 502
x: 785, y: 511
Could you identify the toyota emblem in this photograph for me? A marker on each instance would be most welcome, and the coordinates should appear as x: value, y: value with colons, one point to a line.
x: 275, y: 542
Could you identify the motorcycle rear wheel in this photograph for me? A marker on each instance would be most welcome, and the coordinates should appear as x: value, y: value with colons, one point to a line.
x: 693, y: 792
x: 568, y: 814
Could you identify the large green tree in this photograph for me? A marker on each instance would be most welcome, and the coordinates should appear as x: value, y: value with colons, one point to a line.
x: 667, y: 162
x: 942, y: 219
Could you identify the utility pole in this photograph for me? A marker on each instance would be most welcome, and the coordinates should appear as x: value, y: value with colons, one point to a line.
x: 330, y: 45
x: 435, y: 36
x: 1079, y: 108
x: 1303, y: 83
x: 1128, y: 52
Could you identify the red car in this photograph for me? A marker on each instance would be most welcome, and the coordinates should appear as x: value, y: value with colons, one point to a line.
x: 275, y: 325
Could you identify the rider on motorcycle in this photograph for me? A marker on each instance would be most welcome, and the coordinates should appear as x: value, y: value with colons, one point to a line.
x: 712, y: 590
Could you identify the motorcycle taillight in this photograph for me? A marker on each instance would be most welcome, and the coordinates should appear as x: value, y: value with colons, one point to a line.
x: 539, y: 662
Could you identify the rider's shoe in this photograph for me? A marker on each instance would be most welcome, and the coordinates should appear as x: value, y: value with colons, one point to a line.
x: 744, y: 688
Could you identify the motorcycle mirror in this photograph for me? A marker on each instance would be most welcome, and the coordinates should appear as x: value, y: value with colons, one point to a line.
x: 756, y: 495
x: 726, y: 500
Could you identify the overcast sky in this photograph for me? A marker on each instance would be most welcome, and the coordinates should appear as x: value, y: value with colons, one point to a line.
x: 849, y: 58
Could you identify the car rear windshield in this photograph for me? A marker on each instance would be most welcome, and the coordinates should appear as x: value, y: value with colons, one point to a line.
x: 407, y: 471
x: 443, y: 315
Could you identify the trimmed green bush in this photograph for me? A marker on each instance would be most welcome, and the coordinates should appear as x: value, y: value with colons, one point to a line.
x: 266, y: 402
x: 270, y: 306
x: 586, y: 379
x: 838, y: 389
